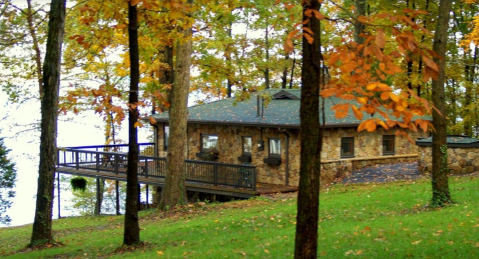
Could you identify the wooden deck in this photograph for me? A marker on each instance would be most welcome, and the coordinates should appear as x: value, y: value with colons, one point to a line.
x: 261, y: 188
x: 110, y: 162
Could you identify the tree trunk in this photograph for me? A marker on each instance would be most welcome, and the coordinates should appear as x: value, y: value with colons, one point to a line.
x: 284, y: 78
x: 440, y: 185
x: 131, y: 235
x: 42, y: 225
x: 467, y: 96
x: 100, y: 189
x: 174, y: 191
x: 229, y: 84
x: 306, y: 242
x: 36, y: 46
x: 359, y: 26
x: 266, y: 43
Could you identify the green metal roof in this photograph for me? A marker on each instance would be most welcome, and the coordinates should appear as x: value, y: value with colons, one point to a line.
x: 452, y: 141
x: 280, y: 112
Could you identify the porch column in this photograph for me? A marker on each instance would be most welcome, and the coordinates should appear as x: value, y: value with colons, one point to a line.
x: 58, y: 191
x: 117, y: 194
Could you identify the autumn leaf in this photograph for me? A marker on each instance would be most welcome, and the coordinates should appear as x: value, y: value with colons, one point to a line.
x: 152, y: 121
x: 308, y: 38
x: 138, y: 124
x: 393, y: 97
x: 384, y: 96
x: 380, y: 39
x: 341, y: 110
x: 371, y: 86
x: 357, y: 113
x: 431, y: 64
x: 318, y: 15
x: 325, y: 93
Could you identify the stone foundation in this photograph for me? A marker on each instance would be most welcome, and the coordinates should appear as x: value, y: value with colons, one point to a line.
x: 459, y: 160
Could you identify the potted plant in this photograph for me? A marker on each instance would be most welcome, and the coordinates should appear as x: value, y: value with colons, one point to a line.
x: 78, y: 183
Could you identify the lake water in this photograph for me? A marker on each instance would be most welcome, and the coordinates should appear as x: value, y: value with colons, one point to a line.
x: 23, y: 141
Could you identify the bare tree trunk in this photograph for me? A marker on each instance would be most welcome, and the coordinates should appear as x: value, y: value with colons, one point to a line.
x: 467, y: 96
x: 167, y: 76
x: 306, y: 241
x: 42, y: 225
x: 284, y: 78
x: 131, y: 235
x: 36, y: 46
x: 266, y: 43
x: 229, y: 84
x: 174, y: 191
x: 440, y: 184
x: 359, y: 26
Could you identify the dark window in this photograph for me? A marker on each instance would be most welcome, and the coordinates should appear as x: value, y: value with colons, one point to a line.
x: 347, y: 147
x: 388, y: 144
x: 208, y: 142
x: 247, y: 146
x: 166, y: 136
x: 274, y: 147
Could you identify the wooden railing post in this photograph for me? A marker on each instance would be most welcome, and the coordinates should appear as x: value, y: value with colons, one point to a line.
x: 146, y: 167
x: 253, y: 178
x: 77, y: 160
x: 98, y: 162
x: 116, y: 164
x: 215, y: 174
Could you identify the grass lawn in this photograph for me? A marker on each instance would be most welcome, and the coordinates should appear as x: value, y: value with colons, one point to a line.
x: 356, y: 221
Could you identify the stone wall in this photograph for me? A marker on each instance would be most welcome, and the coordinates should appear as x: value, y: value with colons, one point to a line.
x: 366, y: 145
x: 459, y: 160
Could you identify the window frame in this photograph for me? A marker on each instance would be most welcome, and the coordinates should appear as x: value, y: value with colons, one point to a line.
x: 270, y: 154
x: 391, y: 138
x: 351, y: 145
x: 166, y: 137
x: 202, y: 146
x: 243, y: 142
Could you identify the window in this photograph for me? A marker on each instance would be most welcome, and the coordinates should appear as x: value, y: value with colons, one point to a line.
x: 388, y: 145
x: 208, y: 142
x: 274, y: 147
x: 247, y: 146
x: 347, y: 147
x: 166, y: 136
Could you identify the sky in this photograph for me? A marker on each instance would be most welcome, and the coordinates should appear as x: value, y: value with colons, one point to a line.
x: 78, y: 130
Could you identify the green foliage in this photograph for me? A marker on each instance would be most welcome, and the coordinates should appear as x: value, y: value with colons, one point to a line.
x: 78, y: 183
x: 8, y: 176
x: 19, y: 41
x: 357, y: 221
x: 84, y: 202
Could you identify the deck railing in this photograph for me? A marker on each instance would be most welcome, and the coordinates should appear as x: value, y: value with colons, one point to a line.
x: 91, y: 158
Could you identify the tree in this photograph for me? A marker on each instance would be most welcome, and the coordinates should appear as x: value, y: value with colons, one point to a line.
x: 131, y: 235
x: 440, y: 185
x: 306, y: 241
x: 8, y: 176
x: 42, y: 225
x: 174, y: 192
x: 22, y: 33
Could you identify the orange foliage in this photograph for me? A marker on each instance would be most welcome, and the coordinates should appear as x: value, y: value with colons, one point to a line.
x: 360, y: 72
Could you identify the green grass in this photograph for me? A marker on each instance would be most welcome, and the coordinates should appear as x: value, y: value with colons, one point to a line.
x: 356, y: 221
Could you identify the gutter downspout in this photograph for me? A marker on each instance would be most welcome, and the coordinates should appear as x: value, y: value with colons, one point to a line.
x: 286, y: 164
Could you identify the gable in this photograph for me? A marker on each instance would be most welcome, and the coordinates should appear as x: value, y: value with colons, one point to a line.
x: 285, y: 95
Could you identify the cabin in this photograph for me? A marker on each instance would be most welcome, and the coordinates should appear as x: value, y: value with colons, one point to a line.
x: 263, y: 131
x: 244, y: 148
